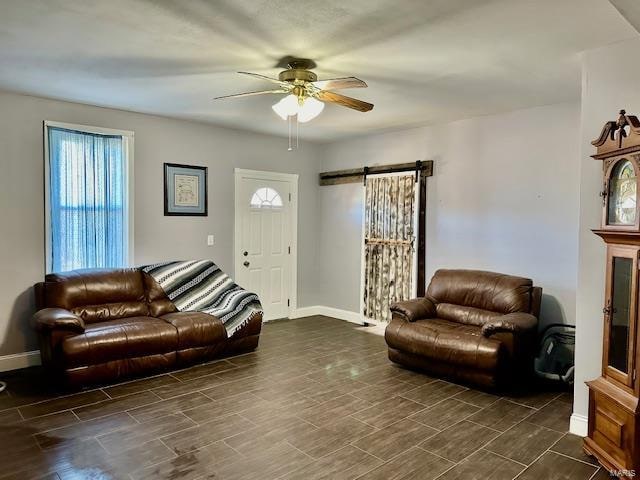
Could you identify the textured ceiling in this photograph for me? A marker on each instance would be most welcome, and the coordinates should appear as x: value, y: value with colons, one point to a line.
x: 425, y: 61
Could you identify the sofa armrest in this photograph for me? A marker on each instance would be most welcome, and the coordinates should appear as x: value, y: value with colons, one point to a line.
x: 511, y: 323
x: 416, y: 309
x: 49, y: 319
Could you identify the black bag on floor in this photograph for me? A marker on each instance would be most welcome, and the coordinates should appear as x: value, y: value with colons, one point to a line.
x: 555, y: 360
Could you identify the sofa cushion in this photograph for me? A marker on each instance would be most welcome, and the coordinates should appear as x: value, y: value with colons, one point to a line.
x: 445, y: 341
x: 119, y: 368
x: 480, y: 290
x: 467, y: 315
x: 196, y: 329
x: 119, y: 339
x: 97, y: 295
x: 159, y: 303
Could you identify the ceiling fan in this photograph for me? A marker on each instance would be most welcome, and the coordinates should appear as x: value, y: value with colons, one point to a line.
x: 305, y: 94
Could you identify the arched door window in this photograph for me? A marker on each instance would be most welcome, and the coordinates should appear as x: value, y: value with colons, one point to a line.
x: 266, y: 197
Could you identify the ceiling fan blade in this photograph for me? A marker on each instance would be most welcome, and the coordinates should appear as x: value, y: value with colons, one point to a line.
x: 250, y: 94
x: 349, y: 102
x: 338, y: 83
x: 264, y: 77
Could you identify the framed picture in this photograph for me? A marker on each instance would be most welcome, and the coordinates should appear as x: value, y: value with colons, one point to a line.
x: 185, y: 190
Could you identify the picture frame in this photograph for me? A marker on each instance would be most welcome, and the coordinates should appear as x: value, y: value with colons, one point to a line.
x: 185, y: 190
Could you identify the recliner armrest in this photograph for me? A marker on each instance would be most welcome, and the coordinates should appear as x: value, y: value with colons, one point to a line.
x: 415, y: 309
x: 49, y: 319
x: 518, y: 322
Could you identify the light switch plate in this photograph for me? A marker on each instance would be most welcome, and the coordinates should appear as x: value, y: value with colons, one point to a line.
x: 209, y: 240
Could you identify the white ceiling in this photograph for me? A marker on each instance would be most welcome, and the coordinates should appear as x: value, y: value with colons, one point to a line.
x: 630, y: 9
x: 425, y: 61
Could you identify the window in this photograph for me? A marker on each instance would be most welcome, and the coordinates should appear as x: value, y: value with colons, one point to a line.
x: 266, y: 197
x: 88, y: 204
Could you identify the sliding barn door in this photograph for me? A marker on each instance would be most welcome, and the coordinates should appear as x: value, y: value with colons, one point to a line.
x: 389, y: 234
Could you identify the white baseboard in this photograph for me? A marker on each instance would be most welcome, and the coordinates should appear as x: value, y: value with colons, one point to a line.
x: 579, y: 425
x: 349, y: 316
x: 305, y: 312
x: 19, y: 360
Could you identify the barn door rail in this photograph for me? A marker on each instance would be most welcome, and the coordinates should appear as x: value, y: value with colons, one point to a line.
x: 422, y: 168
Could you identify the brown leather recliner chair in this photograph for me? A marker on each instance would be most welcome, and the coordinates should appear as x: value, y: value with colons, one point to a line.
x: 101, y: 325
x: 474, y: 326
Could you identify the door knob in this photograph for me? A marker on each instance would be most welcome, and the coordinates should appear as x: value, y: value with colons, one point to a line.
x: 245, y: 253
x: 246, y: 264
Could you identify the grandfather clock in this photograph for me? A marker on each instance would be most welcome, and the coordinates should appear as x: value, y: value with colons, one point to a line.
x: 614, y: 417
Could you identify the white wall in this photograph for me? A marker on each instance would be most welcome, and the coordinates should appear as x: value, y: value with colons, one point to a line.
x: 610, y: 82
x: 504, y: 197
x: 157, y: 237
x: 510, y: 192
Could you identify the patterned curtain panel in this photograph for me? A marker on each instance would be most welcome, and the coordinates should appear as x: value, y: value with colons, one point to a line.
x: 389, y: 236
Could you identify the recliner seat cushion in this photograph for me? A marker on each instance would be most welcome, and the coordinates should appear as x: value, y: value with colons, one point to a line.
x: 445, y: 341
x: 97, y: 295
x: 479, y: 290
x: 120, y: 339
x: 463, y: 314
x: 196, y: 329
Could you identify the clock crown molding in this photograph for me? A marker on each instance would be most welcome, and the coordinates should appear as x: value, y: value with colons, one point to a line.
x: 618, y: 137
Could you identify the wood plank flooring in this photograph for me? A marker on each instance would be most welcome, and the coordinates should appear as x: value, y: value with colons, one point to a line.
x: 318, y: 400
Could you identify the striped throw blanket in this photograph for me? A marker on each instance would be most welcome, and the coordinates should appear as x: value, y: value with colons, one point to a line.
x: 201, y: 286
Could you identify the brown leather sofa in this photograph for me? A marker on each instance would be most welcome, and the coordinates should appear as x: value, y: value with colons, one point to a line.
x: 96, y: 326
x: 473, y: 326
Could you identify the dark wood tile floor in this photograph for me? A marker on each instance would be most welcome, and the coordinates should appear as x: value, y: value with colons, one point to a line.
x: 318, y: 400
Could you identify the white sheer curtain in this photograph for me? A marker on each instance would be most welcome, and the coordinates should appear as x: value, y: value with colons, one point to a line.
x: 88, y: 200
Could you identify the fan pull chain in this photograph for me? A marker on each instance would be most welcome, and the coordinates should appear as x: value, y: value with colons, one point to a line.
x: 290, y: 120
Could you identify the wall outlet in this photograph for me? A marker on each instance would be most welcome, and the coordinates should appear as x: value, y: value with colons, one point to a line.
x: 209, y: 240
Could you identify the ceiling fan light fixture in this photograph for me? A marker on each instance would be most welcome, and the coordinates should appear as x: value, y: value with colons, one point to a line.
x: 287, y: 107
x: 310, y: 109
x: 306, y: 108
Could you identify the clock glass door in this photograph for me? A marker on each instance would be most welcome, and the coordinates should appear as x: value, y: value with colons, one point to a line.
x: 620, y: 311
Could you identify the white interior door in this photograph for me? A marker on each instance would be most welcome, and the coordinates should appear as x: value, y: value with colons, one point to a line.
x: 264, y: 243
